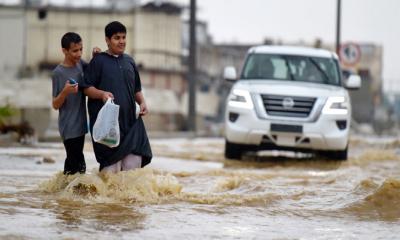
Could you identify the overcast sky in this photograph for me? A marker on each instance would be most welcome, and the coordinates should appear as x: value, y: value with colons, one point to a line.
x: 250, y: 21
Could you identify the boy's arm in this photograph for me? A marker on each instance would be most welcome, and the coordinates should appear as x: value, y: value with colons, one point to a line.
x: 59, y: 100
x: 91, y: 80
x: 95, y: 51
x: 95, y: 93
x: 139, y: 98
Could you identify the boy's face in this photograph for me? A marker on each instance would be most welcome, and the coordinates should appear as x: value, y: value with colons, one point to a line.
x: 117, y: 42
x: 74, y: 53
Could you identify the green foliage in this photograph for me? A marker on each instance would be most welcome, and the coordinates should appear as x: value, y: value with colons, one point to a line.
x: 6, y: 112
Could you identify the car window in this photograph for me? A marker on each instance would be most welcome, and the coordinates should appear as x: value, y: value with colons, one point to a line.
x: 280, y: 68
x: 293, y: 68
x: 259, y: 66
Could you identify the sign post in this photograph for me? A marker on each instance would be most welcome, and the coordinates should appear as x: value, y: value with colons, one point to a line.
x: 350, y: 54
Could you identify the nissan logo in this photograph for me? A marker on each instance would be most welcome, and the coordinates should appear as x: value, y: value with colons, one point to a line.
x: 287, y: 103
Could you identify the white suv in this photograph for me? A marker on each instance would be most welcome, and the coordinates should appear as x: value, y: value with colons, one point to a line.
x: 289, y: 98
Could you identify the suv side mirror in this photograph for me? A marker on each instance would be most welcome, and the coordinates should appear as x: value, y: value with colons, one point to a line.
x: 230, y: 74
x: 353, y: 82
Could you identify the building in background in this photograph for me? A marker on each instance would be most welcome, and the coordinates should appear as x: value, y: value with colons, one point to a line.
x: 365, y: 59
x: 212, y: 88
x: 11, y: 42
x: 32, y: 49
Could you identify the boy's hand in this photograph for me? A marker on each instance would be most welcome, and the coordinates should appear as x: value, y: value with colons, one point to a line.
x: 143, y: 109
x: 95, y: 51
x: 106, y: 95
x: 70, y: 88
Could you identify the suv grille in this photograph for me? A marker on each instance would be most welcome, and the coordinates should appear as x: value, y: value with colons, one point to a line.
x: 288, y: 106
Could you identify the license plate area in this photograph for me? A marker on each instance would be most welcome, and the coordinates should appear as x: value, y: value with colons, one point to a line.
x: 286, y: 128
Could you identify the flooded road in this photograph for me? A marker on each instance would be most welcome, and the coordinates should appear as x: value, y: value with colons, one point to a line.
x: 190, y: 191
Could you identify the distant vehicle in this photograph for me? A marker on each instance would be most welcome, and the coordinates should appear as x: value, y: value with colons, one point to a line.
x: 289, y: 98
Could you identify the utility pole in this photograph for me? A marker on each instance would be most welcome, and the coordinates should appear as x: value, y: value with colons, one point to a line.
x: 192, y: 68
x: 338, y: 16
x: 24, y: 38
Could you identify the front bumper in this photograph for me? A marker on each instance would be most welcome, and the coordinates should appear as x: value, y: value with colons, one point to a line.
x: 323, y: 133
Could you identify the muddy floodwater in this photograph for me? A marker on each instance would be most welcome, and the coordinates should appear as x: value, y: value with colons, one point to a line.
x: 190, y: 191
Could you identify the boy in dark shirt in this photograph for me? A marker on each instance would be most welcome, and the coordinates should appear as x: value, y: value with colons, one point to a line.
x: 113, y: 74
x: 70, y: 101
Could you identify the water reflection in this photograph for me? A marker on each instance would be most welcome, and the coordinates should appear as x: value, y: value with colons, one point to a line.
x: 260, y: 162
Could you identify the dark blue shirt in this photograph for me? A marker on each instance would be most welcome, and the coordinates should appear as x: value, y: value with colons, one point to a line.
x: 118, y: 75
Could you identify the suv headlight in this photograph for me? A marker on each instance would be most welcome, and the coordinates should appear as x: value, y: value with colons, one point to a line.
x: 241, y: 99
x: 336, y: 105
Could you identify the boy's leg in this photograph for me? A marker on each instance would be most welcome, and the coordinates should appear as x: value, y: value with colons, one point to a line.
x: 116, y: 167
x: 131, y: 162
x: 80, y: 155
x: 75, y: 161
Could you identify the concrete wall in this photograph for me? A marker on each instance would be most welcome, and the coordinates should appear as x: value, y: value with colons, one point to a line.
x: 174, y: 81
x: 11, y: 42
x: 44, y: 36
x: 158, y: 42
x: 153, y: 38
x: 32, y: 98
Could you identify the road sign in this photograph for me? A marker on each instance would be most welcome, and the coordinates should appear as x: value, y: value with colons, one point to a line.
x: 350, y: 54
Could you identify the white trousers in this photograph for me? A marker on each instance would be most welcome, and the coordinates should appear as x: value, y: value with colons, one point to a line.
x: 129, y: 162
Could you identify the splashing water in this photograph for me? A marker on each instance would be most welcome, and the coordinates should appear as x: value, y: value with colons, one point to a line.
x: 141, y: 185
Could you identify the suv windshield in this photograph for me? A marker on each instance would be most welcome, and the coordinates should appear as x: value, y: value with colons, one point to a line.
x: 292, y: 68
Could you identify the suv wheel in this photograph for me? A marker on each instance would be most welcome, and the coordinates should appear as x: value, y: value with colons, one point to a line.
x: 233, y: 151
x: 335, y: 155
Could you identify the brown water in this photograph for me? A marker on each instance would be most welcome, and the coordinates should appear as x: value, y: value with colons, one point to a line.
x: 190, y: 191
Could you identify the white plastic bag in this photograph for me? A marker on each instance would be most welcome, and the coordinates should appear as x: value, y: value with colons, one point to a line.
x: 106, y: 127
x: 137, y: 110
